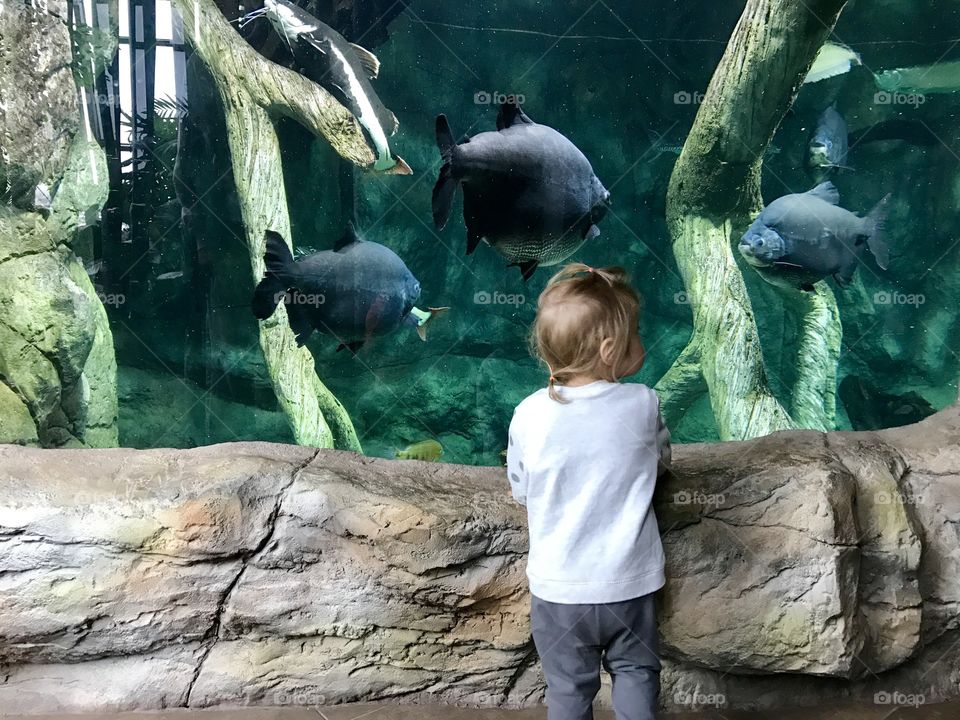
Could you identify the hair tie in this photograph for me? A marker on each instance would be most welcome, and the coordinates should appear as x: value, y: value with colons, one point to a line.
x: 552, y: 379
x: 589, y: 269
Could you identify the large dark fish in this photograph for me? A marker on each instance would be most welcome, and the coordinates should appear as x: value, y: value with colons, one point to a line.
x: 828, y: 146
x: 343, y: 69
x: 805, y: 237
x: 527, y: 190
x: 357, y: 290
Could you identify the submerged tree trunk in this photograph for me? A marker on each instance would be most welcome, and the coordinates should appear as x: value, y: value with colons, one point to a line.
x: 714, y: 188
x: 252, y: 89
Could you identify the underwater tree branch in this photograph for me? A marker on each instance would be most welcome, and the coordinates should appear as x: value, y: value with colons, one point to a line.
x: 714, y: 188
x: 252, y: 90
x: 814, y: 401
x: 682, y: 385
x: 276, y: 89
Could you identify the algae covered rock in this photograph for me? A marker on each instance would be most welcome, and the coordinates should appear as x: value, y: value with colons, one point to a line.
x: 56, y: 350
x: 36, y: 127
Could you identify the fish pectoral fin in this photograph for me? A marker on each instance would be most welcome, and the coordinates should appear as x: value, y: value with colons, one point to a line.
x: 401, y: 168
x: 827, y: 238
x: 435, y: 312
x: 368, y: 61
x: 312, y: 42
x: 591, y: 232
x: 527, y: 267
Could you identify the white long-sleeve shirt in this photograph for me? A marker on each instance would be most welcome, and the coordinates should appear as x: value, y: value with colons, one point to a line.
x: 586, y: 471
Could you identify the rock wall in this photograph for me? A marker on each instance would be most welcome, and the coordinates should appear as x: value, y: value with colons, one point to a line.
x: 57, y: 364
x: 801, y: 567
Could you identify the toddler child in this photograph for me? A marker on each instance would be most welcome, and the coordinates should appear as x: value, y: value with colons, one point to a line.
x: 583, y: 456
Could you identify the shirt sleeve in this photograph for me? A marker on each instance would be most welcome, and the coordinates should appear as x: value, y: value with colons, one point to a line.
x: 516, y: 471
x: 663, y: 442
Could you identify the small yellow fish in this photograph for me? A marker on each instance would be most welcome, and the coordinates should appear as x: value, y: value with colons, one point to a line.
x: 427, y: 450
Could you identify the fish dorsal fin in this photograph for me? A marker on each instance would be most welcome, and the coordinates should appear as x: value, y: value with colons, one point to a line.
x: 367, y: 60
x: 827, y: 192
x: 511, y: 114
x: 349, y: 237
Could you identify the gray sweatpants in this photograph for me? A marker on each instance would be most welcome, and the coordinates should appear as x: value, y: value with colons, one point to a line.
x: 573, y: 641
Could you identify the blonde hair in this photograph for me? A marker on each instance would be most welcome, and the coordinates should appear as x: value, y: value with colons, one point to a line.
x: 575, y: 314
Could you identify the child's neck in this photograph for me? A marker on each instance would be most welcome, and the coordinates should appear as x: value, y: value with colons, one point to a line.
x: 578, y: 380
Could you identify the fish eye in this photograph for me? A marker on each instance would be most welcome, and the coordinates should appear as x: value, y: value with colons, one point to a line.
x: 759, y: 241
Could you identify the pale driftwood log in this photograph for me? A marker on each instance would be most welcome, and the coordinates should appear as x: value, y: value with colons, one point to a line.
x: 714, y: 189
x: 814, y: 401
x: 254, y: 90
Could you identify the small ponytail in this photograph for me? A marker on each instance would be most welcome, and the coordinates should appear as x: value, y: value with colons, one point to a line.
x: 612, y: 275
x: 552, y: 386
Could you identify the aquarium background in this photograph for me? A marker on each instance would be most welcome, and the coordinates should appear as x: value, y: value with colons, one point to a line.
x: 623, y: 82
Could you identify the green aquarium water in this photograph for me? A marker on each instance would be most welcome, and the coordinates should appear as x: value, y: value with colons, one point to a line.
x: 189, y: 129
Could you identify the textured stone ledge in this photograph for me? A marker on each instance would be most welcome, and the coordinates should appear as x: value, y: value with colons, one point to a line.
x: 802, y: 566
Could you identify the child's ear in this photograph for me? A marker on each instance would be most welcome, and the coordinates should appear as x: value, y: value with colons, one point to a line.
x: 606, y: 351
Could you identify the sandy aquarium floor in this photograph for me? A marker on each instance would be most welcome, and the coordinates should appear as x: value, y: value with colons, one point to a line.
x: 365, y: 711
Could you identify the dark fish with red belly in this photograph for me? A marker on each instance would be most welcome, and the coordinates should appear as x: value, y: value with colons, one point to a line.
x: 527, y: 190
x: 358, y: 290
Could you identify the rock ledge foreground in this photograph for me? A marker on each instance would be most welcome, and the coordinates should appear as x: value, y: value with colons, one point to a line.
x: 802, y: 567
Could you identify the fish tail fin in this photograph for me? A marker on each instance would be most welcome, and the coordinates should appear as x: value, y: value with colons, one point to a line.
x: 446, y: 185
x: 876, y: 226
x: 270, y: 290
